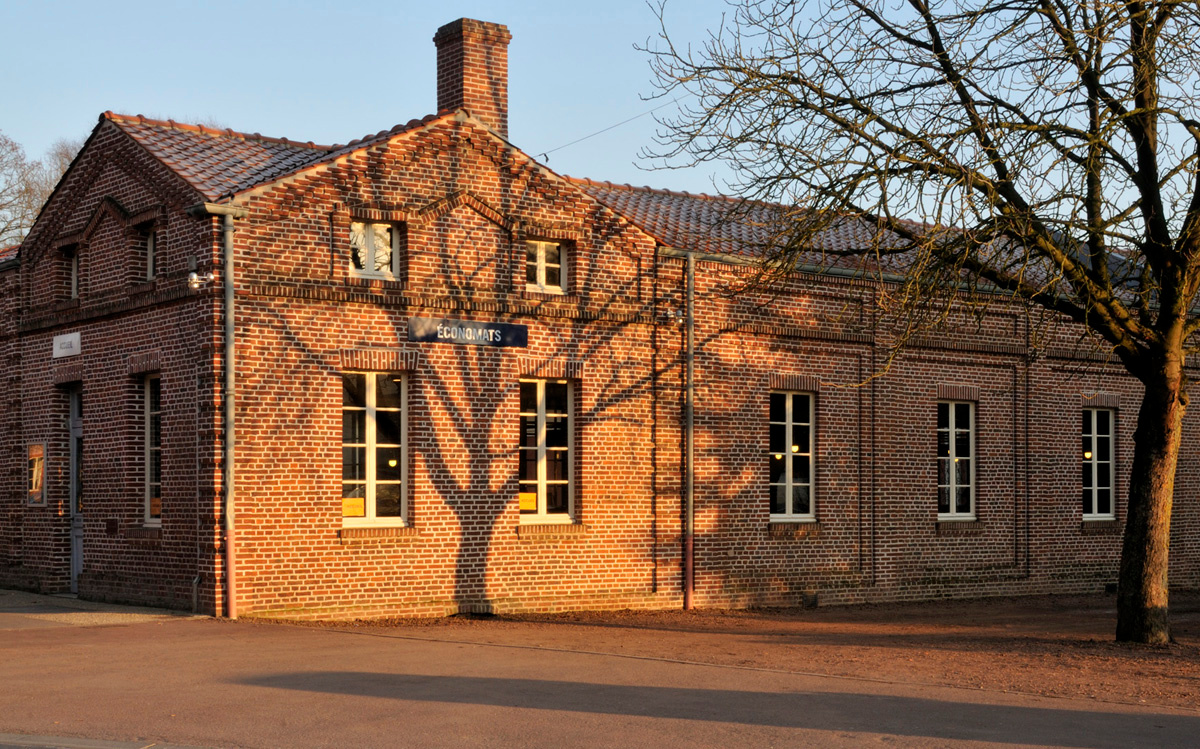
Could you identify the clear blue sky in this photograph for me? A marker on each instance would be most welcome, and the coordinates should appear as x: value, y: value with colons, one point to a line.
x: 333, y: 71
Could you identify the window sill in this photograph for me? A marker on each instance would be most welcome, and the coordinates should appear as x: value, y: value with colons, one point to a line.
x: 794, y: 528
x: 549, y: 529
x: 1100, y: 527
x: 358, y: 534
x: 959, y: 527
x: 382, y: 282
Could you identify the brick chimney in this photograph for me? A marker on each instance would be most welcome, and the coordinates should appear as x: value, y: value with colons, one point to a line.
x: 472, y: 70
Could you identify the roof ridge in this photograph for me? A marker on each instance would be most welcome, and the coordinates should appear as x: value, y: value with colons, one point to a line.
x: 217, y: 132
x: 660, y: 190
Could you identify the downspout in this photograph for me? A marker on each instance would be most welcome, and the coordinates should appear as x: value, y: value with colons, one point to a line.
x: 689, y: 508
x: 229, y: 212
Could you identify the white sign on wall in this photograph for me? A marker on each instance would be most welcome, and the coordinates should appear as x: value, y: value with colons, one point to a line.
x: 66, y: 345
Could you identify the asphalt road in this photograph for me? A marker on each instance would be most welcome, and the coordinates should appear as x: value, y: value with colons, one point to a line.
x: 106, y: 678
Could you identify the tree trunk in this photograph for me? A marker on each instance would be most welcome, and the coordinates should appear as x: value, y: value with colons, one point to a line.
x: 1142, y: 587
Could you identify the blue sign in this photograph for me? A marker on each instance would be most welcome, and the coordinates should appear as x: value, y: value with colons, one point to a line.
x: 467, y: 332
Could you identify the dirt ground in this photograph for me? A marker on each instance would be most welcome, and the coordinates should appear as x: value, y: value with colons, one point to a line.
x: 1058, y: 646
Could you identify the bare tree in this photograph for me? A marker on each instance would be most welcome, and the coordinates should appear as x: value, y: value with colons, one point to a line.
x: 26, y: 185
x: 1059, y: 140
x: 20, y: 196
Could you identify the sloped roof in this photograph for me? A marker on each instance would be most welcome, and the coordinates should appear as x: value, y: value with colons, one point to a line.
x: 9, y: 253
x: 223, y: 162
x: 730, y: 226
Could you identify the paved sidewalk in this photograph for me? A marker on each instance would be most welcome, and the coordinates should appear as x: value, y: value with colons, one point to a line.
x: 200, y: 682
x: 20, y: 610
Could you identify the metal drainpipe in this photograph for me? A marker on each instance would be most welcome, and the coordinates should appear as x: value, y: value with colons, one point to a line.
x: 689, y: 554
x: 229, y: 213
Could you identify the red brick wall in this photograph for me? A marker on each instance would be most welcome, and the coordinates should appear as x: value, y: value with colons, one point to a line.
x: 468, y: 203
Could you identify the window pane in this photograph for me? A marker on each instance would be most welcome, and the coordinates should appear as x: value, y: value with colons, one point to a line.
x: 1103, y: 422
x: 358, y: 245
x: 962, y: 415
x: 387, y: 427
x: 1086, y: 449
x: 155, y: 467
x: 556, y: 431
x: 354, y: 463
x: 943, y: 471
x: 962, y: 472
x: 354, y: 426
x: 556, y: 499
x: 154, y: 385
x: 529, y: 436
x: 943, y: 416
x: 382, y: 237
x: 1104, y: 448
x: 778, y: 500
x: 800, y: 500
x: 387, y: 391
x: 354, y: 500
x: 777, y: 468
x: 1087, y: 501
x: 553, y: 277
x: 962, y: 444
x: 1087, y: 421
x: 800, y: 409
x: 556, y: 465
x: 551, y: 251
x: 800, y: 438
x: 1087, y: 476
x: 964, y: 500
x: 800, y: 469
x: 387, y: 500
x: 1104, y: 502
x: 778, y: 407
x: 528, y: 466
x: 943, y: 445
x: 155, y: 431
x: 388, y: 464
x: 1104, y: 475
x: 943, y: 500
x: 354, y: 390
x: 556, y: 397
x: 778, y: 441
x: 531, y: 273
x: 529, y: 399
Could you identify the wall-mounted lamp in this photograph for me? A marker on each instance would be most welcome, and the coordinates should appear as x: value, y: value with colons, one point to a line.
x: 195, y: 280
x: 673, y: 317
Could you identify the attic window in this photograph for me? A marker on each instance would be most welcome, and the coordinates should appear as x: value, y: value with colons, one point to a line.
x: 545, y: 267
x: 375, y: 249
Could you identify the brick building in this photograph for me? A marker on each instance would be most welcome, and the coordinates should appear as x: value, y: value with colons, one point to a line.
x: 460, y: 382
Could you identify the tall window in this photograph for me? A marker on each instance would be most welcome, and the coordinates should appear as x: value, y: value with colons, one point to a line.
x: 791, y: 456
x: 75, y: 274
x: 1098, y: 463
x: 545, y: 450
x: 151, y: 255
x: 373, y: 448
x: 955, y: 464
x: 545, y: 269
x: 374, y: 249
x: 152, y: 402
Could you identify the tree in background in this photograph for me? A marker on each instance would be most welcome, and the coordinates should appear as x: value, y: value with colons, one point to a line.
x: 25, y: 185
x: 1040, y: 148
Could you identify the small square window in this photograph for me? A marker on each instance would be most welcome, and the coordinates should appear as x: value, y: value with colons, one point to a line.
x: 374, y: 250
x: 545, y: 267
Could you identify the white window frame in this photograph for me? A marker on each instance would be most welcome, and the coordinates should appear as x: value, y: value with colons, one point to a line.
x: 152, y: 450
x: 369, y: 238
x: 791, y: 421
x: 953, y: 457
x: 539, y: 249
x: 540, y: 515
x: 369, y: 517
x: 1091, y: 462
